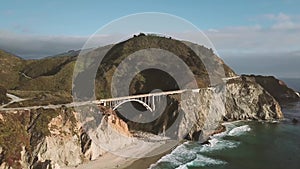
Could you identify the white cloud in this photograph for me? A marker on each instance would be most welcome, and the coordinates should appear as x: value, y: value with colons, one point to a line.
x: 272, y: 50
x: 212, y: 30
x: 282, y: 21
x: 37, y: 46
x: 277, y: 17
x: 281, y: 36
x: 255, y: 40
x: 243, y: 47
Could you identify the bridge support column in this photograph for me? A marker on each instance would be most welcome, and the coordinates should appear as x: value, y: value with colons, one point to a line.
x: 153, y: 103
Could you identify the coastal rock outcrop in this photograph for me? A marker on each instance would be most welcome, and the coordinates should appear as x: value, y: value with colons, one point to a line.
x: 53, y: 138
x: 43, y: 138
x: 239, y: 99
x: 277, y: 88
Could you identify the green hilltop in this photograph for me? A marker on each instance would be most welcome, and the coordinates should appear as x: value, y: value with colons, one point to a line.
x: 50, y: 78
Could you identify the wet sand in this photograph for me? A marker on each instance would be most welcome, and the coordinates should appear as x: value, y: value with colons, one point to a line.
x: 144, y: 163
x: 111, y: 161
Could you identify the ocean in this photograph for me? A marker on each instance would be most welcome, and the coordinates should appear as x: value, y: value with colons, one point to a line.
x: 244, y: 145
x: 293, y: 83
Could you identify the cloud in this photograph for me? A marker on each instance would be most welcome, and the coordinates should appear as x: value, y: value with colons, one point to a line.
x: 33, y: 46
x: 249, y: 40
x: 272, y: 49
x: 281, y: 17
x: 37, y: 46
x: 281, y: 36
x: 282, y: 21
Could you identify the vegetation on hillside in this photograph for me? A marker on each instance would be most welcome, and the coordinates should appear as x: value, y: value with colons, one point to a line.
x: 27, y: 129
x: 3, y: 98
x: 53, y: 75
x: 122, y: 50
x: 10, y: 66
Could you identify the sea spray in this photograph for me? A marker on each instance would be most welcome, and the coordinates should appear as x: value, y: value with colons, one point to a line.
x: 239, y: 130
x: 193, y: 153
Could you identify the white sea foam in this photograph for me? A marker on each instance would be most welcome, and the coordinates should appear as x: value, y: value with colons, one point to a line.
x: 239, y: 130
x: 179, y: 156
x: 190, y: 154
x: 216, y: 144
x: 202, y: 161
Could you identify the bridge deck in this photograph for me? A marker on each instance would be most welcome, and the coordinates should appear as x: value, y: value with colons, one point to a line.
x: 147, y: 95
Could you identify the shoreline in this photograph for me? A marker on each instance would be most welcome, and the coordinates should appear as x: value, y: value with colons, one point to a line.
x: 146, y: 162
x: 112, y: 161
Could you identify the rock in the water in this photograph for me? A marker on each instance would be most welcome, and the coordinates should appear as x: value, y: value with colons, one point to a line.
x: 295, y: 120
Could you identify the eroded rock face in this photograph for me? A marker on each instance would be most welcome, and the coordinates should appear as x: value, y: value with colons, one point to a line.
x: 239, y: 99
x: 251, y: 101
x: 62, y: 146
x: 48, y: 138
x: 199, y: 114
x: 277, y: 88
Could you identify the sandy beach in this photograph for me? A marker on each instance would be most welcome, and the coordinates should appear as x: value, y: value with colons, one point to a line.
x: 112, y: 161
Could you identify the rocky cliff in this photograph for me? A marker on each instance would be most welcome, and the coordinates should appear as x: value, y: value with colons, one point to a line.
x: 44, y: 138
x: 53, y: 138
x: 201, y: 113
x: 41, y: 138
x: 277, y: 88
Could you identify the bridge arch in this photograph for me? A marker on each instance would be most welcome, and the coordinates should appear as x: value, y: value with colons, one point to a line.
x: 133, y: 100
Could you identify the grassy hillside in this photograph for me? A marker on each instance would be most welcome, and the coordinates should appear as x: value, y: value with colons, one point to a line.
x: 10, y: 66
x: 59, y: 81
x: 140, y: 84
x: 44, y: 81
x: 48, y: 74
x: 54, y: 74
x: 3, y: 98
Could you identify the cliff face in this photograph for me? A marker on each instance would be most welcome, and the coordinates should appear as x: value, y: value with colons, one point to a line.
x: 277, y: 88
x: 52, y: 138
x: 240, y: 99
x: 48, y: 138
x: 44, y: 138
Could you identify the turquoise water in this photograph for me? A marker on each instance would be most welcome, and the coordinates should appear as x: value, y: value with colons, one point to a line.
x: 245, y: 145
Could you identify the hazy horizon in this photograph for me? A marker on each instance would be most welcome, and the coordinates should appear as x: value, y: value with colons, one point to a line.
x: 250, y: 36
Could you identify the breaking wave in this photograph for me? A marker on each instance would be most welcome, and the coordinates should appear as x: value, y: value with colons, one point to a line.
x: 193, y: 154
x: 239, y: 130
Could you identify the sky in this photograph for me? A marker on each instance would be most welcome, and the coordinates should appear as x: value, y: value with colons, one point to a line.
x: 252, y: 36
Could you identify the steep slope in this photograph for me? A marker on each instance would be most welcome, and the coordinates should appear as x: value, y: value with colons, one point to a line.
x: 10, y: 66
x: 3, y: 98
x: 140, y: 84
x: 58, y: 81
x: 49, y: 74
x: 46, y: 67
x: 277, y: 88
x: 53, y: 138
